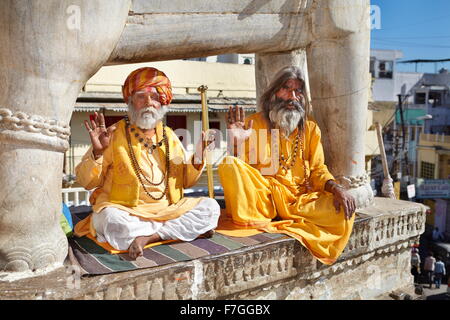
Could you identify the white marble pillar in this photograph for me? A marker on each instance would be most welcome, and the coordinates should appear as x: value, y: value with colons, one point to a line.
x: 338, y: 64
x: 49, y: 50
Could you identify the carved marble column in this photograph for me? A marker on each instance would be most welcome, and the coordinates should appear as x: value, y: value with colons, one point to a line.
x: 338, y: 63
x: 49, y: 50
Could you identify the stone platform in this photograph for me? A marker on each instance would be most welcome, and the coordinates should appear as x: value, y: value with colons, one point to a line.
x: 375, y: 263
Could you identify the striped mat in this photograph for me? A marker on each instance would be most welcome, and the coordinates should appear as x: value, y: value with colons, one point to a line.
x: 94, y: 260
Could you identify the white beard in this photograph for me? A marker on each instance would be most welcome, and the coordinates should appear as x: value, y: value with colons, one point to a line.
x: 285, y: 119
x: 146, y: 118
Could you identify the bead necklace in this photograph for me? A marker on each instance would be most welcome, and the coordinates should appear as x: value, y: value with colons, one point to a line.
x: 298, y: 141
x: 147, y: 144
x: 137, y: 169
x: 283, y: 161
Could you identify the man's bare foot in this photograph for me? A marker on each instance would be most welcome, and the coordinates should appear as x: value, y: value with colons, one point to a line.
x: 137, y: 246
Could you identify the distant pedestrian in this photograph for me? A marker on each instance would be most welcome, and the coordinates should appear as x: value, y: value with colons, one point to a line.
x: 437, y: 235
x: 429, y: 268
x: 439, y: 272
x: 415, y: 264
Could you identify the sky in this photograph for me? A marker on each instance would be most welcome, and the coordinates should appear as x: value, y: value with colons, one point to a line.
x: 418, y: 28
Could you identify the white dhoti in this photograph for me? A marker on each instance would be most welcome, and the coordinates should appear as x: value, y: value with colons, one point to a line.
x: 119, y: 228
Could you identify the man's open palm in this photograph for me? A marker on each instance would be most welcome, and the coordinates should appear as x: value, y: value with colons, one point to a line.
x: 100, y: 136
x: 236, y: 124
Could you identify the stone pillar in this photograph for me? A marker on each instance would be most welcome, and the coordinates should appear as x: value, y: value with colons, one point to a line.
x: 49, y: 50
x: 338, y: 63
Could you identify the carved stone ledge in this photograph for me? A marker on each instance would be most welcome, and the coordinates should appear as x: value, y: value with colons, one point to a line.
x: 367, y: 280
x: 249, y: 269
x: 375, y: 262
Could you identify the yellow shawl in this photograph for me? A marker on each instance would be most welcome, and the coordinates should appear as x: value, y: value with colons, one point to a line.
x: 125, y: 187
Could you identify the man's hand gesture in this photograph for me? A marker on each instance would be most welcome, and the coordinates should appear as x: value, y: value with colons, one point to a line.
x: 205, y: 143
x: 237, y: 129
x: 100, y: 136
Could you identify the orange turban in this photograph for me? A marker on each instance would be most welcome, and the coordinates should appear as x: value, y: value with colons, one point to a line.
x: 147, y: 77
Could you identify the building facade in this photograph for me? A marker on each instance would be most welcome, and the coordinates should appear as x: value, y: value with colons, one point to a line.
x: 230, y: 80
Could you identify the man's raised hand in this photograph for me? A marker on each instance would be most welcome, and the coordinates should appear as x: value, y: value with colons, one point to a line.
x: 236, y: 124
x: 100, y: 136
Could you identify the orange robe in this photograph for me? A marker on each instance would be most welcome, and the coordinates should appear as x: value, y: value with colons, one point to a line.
x: 262, y: 196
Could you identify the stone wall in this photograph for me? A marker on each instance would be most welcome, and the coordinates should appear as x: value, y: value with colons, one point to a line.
x: 375, y: 262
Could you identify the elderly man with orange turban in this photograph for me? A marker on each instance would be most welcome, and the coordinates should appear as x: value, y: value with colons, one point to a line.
x: 139, y: 168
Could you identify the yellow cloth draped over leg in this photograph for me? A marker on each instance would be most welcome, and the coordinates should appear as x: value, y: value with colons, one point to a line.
x: 254, y: 200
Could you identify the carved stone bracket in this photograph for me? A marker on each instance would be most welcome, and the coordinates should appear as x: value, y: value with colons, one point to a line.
x: 34, y: 129
x: 359, y: 187
x: 354, y: 181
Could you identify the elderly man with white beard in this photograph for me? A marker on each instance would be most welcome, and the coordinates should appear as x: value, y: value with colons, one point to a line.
x: 280, y: 183
x: 139, y: 168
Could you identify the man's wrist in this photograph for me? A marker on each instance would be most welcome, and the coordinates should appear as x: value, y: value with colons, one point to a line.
x: 197, y: 162
x: 235, y: 149
x: 97, y: 154
x: 333, y: 187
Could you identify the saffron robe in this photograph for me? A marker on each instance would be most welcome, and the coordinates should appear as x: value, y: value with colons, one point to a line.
x: 116, y: 184
x: 262, y: 196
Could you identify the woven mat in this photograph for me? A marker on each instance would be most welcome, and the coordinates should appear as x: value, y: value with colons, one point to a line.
x: 94, y: 260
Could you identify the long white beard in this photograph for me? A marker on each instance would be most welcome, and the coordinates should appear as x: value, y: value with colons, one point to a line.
x: 285, y: 119
x: 146, y: 118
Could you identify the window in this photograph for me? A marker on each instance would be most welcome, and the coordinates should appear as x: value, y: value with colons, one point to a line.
x: 435, y: 98
x: 420, y: 98
x: 385, y: 69
x: 178, y: 122
x: 247, y: 60
x: 215, y: 125
x: 196, y: 59
x: 426, y: 170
